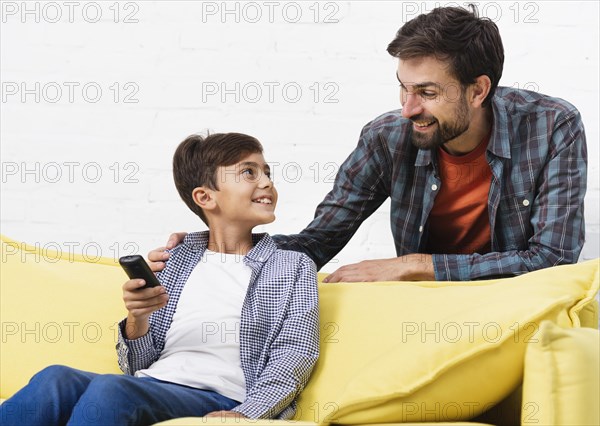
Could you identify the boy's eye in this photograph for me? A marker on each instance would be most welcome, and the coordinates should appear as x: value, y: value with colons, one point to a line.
x: 248, y: 174
x: 254, y: 173
x: 251, y: 174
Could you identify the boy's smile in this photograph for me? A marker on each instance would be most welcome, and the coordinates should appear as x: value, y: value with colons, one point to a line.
x: 263, y: 200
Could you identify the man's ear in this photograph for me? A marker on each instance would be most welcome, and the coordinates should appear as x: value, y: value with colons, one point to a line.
x: 479, y: 90
x: 204, y: 197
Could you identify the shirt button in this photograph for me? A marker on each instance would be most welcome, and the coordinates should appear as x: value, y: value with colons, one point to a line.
x: 525, y: 203
x: 421, y: 228
x: 261, y: 259
x: 434, y: 187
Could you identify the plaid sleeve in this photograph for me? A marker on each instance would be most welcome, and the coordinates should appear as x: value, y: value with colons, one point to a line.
x: 556, y: 221
x: 135, y: 354
x: 359, y: 189
x: 293, y: 353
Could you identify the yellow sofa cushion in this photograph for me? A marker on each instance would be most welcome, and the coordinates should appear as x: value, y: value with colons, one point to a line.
x: 218, y: 421
x: 56, y: 309
x: 418, y: 352
x: 562, y: 377
x: 391, y: 352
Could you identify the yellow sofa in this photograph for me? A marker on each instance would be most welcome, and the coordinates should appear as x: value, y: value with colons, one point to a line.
x: 506, y: 351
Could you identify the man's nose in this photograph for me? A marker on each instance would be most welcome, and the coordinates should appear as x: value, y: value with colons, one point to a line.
x: 411, y: 105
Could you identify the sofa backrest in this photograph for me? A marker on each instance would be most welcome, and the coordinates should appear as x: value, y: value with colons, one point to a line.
x: 56, y: 308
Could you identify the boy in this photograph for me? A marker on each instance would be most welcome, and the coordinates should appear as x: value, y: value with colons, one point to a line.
x: 233, y: 329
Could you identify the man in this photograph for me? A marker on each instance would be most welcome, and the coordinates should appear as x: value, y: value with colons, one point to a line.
x: 484, y: 181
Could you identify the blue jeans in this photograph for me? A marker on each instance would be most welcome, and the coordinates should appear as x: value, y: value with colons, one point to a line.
x: 61, y: 395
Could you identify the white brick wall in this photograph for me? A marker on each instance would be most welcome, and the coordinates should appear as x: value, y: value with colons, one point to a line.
x: 92, y: 172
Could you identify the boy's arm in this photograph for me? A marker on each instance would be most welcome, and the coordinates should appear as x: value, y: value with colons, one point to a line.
x: 135, y: 345
x: 136, y: 354
x: 293, y: 354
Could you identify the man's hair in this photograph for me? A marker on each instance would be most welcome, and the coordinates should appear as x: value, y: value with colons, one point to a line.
x: 197, y: 159
x: 469, y: 44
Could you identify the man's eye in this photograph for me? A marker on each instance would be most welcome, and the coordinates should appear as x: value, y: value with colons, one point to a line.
x: 249, y: 172
x: 428, y: 95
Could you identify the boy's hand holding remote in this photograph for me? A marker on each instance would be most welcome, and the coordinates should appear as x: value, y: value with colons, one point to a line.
x: 140, y: 303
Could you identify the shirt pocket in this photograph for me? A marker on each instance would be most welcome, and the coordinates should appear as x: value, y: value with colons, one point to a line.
x: 514, y: 221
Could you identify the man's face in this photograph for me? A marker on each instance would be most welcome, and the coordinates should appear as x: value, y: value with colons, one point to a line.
x: 246, y: 195
x: 433, y: 100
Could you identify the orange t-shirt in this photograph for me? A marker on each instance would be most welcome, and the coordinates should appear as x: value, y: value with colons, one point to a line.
x: 459, y: 222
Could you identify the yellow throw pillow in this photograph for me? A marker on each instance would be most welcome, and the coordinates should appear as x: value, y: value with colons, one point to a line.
x: 56, y: 308
x: 562, y: 377
x: 423, y: 352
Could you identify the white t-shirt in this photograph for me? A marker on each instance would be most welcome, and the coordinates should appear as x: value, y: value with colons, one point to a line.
x: 202, y: 347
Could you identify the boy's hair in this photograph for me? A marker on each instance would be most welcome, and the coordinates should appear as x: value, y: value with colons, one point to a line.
x: 471, y: 45
x: 197, y: 159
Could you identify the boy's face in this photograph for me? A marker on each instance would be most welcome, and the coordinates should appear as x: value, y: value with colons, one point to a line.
x: 245, y: 195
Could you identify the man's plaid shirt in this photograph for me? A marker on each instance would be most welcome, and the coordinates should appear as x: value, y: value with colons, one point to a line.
x: 538, y: 158
x: 279, y: 330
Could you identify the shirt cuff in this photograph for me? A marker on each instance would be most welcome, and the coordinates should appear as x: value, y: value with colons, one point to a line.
x: 134, y: 353
x: 452, y: 267
x: 139, y: 343
x: 252, y: 409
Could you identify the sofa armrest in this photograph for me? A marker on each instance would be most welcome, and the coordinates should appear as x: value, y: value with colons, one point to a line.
x: 561, y: 382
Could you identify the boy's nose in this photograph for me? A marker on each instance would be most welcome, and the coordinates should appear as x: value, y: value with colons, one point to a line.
x: 265, y: 181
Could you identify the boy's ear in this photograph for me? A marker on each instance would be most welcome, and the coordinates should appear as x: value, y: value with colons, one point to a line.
x: 204, y: 198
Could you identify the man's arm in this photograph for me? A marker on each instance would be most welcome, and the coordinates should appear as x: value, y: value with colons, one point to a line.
x: 361, y: 186
x: 556, y: 219
x: 293, y: 353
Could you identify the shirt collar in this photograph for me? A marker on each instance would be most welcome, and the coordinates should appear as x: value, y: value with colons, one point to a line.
x: 263, y: 245
x: 500, y: 140
x: 423, y: 157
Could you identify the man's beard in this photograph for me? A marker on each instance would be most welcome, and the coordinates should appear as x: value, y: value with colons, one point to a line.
x: 445, y: 132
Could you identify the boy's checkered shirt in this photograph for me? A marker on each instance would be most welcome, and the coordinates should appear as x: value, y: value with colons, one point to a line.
x: 279, y: 331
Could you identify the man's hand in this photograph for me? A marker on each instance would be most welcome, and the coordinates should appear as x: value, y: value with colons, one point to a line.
x: 140, y: 304
x: 158, y: 256
x: 226, y: 414
x: 411, y: 267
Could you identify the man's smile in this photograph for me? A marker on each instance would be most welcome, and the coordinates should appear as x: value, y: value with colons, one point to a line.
x: 421, y: 125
